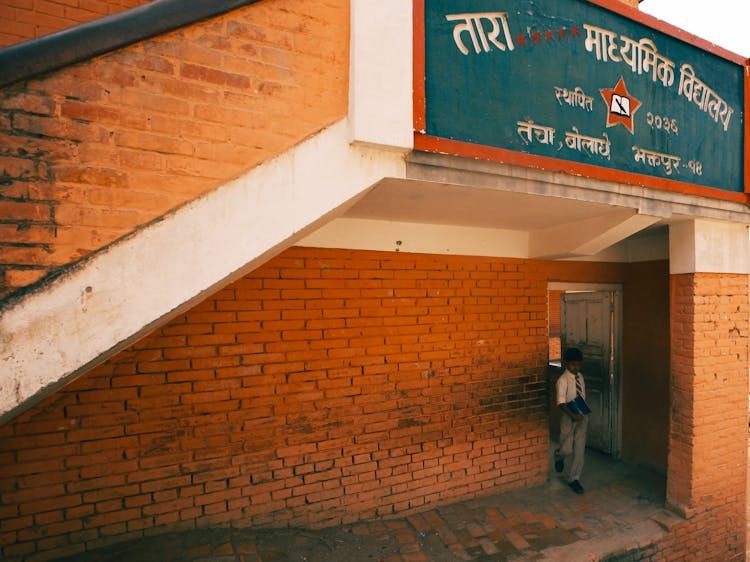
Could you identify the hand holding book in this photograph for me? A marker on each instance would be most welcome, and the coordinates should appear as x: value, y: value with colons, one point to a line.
x: 579, y: 406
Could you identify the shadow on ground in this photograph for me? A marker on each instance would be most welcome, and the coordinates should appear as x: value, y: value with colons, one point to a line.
x: 621, y: 513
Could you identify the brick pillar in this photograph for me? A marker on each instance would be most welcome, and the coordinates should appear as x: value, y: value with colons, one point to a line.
x: 706, y: 479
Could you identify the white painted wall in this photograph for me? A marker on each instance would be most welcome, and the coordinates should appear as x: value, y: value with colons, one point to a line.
x: 701, y: 246
x: 380, y: 92
x: 391, y: 236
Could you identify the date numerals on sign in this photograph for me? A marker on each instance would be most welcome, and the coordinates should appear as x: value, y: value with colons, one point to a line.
x: 695, y: 167
x: 662, y: 122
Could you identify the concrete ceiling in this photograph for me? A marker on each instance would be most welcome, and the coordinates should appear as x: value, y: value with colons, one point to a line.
x: 556, y: 227
x: 445, y: 204
x: 559, y: 216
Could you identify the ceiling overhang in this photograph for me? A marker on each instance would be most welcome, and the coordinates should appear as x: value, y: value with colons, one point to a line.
x: 557, y: 215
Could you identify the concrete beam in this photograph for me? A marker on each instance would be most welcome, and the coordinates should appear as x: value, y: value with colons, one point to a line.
x: 589, y: 236
x: 703, y: 246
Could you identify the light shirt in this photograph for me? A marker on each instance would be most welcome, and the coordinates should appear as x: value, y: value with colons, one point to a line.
x: 566, y: 387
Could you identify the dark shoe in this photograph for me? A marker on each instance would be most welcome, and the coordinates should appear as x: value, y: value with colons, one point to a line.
x: 559, y: 465
x: 575, y: 485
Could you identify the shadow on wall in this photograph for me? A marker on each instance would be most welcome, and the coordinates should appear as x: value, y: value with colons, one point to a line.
x: 552, y: 373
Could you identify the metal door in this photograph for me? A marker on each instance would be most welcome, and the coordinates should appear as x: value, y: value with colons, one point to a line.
x: 587, y: 322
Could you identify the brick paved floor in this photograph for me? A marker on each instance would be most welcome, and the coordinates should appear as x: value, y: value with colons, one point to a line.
x: 621, y: 510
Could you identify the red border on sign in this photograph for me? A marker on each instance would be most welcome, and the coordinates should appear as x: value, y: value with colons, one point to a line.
x: 459, y: 148
x: 747, y: 126
x: 425, y: 142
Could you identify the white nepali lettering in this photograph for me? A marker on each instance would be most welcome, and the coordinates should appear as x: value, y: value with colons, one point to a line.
x: 641, y: 56
x: 657, y: 159
x: 480, y: 39
x: 593, y: 145
x: 602, y: 42
x: 574, y: 98
x: 705, y: 98
x: 541, y: 133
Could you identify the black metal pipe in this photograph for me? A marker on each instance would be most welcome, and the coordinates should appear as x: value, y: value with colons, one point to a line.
x: 81, y: 42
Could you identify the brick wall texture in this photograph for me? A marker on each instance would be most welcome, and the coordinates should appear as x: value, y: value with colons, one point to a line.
x: 329, y: 386
x: 707, y: 476
x: 325, y: 387
x: 21, y: 20
x: 96, y: 150
x: 708, y: 429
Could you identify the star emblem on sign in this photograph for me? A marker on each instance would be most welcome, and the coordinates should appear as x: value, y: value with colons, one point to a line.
x: 621, y: 105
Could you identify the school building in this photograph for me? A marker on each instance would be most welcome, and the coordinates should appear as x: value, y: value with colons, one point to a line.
x: 302, y: 262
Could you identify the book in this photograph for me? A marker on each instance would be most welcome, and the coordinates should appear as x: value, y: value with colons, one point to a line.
x: 579, y: 406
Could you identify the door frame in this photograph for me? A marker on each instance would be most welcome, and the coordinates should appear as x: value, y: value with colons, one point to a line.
x: 616, y: 404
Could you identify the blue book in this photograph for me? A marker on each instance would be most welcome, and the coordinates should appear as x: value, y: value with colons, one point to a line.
x: 579, y: 406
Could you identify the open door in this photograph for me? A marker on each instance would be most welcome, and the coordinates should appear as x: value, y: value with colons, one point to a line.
x: 588, y: 322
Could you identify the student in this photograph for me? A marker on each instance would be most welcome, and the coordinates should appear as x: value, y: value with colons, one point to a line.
x: 573, y: 424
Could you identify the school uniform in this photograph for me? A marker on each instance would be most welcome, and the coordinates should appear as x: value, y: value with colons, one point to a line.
x: 572, y: 433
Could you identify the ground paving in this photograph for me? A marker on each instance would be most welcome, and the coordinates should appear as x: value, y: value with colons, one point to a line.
x: 621, y: 512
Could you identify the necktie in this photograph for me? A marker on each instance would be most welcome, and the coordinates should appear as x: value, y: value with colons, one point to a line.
x: 579, y: 385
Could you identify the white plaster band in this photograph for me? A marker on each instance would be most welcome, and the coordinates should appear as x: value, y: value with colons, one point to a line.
x: 126, y: 290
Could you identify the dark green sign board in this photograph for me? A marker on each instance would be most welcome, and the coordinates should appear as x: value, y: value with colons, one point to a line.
x: 572, y: 80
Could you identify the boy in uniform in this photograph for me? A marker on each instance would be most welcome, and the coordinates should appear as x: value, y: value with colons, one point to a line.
x: 573, y: 424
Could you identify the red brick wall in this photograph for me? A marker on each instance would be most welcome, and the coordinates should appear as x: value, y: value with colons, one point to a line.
x: 554, y: 312
x: 94, y: 151
x: 21, y: 20
x: 555, y: 351
x: 708, y: 431
x: 324, y: 387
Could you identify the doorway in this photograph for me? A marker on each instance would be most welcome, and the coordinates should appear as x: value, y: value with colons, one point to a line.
x: 590, y: 319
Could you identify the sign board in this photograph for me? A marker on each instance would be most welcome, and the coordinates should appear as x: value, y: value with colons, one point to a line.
x: 540, y: 82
